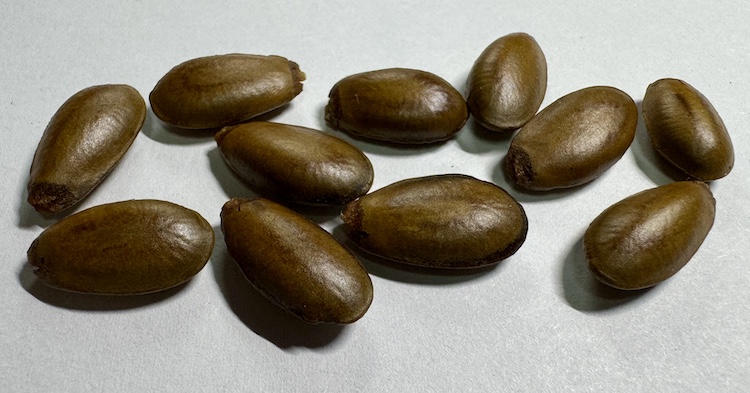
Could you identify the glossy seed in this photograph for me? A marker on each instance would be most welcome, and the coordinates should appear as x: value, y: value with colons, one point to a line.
x: 646, y: 238
x: 445, y: 221
x: 507, y: 84
x: 574, y: 140
x: 396, y: 105
x: 295, y: 263
x: 83, y: 142
x: 216, y: 91
x: 123, y: 248
x: 296, y: 164
x: 686, y: 130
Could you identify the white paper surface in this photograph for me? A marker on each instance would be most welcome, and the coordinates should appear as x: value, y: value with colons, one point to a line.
x: 538, y: 322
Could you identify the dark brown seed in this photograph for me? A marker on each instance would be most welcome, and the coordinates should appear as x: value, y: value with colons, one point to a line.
x: 686, y: 130
x: 446, y: 221
x: 396, y: 105
x: 123, y: 248
x: 646, y: 238
x: 216, y: 91
x: 574, y: 140
x: 295, y: 263
x: 507, y: 83
x: 83, y: 142
x: 296, y: 164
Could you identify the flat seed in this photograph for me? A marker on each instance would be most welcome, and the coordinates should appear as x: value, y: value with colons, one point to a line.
x: 83, y: 142
x: 123, y: 248
x: 686, y: 130
x: 216, y: 91
x: 295, y: 263
x: 296, y: 164
x: 646, y: 238
x: 445, y: 221
x: 574, y: 140
x: 396, y: 105
x: 507, y: 84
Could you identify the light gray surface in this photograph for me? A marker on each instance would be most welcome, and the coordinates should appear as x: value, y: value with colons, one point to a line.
x: 536, y: 323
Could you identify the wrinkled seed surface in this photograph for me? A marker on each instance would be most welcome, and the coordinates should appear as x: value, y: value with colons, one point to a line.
x: 216, y: 91
x: 686, y: 130
x: 507, y: 84
x: 294, y: 262
x: 573, y: 140
x: 83, y: 142
x: 396, y: 105
x: 646, y: 238
x: 444, y: 221
x: 296, y: 164
x: 123, y: 248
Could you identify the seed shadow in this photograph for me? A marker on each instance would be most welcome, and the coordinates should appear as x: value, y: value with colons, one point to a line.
x: 161, y: 132
x: 260, y: 315
x: 656, y: 167
x: 395, y: 271
x: 477, y: 139
x: 372, y: 146
x: 89, y: 302
x: 585, y: 293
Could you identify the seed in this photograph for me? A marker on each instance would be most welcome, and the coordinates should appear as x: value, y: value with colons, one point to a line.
x: 296, y: 164
x: 646, y: 238
x: 295, y: 263
x: 445, y: 221
x: 686, y: 130
x: 574, y: 140
x: 507, y: 84
x: 216, y: 91
x: 123, y: 248
x: 396, y: 105
x: 82, y: 143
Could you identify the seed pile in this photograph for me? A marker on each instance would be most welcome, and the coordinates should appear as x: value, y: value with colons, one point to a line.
x: 451, y: 221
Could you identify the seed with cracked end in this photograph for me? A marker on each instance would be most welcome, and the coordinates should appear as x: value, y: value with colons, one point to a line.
x: 686, y: 130
x: 83, y: 142
x: 295, y: 263
x: 445, y: 221
x: 574, y: 140
x: 396, y: 105
x: 296, y: 164
x: 123, y: 248
x: 507, y: 84
x: 646, y: 238
x: 216, y: 91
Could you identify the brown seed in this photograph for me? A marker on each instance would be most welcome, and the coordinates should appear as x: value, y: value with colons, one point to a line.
x: 686, y: 129
x: 507, y: 83
x: 646, y: 238
x: 396, y: 105
x: 296, y: 164
x: 83, y: 142
x: 446, y: 221
x: 123, y: 248
x: 294, y: 262
x: 216, y: 91
x: 574, y: 140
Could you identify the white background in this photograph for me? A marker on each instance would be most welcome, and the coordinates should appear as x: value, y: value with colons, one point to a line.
x: 538, y: 322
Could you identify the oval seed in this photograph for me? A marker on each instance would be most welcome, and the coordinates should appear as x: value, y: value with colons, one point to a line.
x: 123, y: 248
x: 295, y: 263
x: 82, y: 143
x: 446, y: 221
x: 646, y: 238
x: 507, y: 83
x: 216, y: 91
x: 686, y: 130
x: 574, y: 140
x: 396, y: 105
x: 296, y: 164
